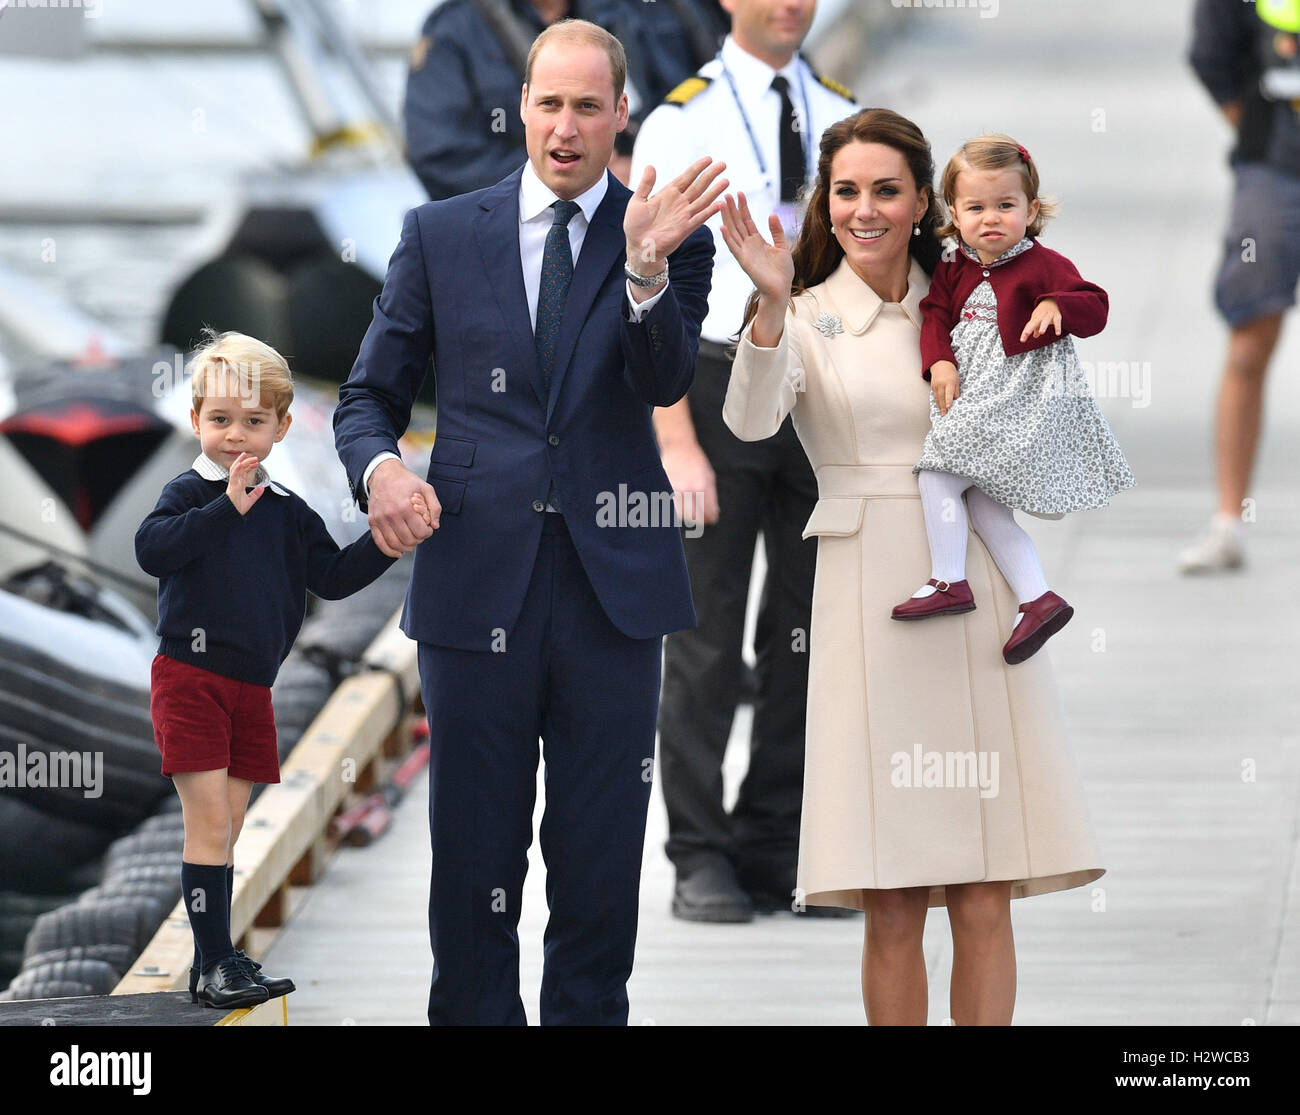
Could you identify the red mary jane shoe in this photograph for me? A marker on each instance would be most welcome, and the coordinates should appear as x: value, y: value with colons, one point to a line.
x: 947, y: 600
x: 1044, y: 617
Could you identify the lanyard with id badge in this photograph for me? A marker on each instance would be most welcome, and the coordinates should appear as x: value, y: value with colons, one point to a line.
x: 789, y: 213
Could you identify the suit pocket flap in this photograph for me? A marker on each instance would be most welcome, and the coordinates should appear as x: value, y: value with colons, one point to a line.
x: 452, y: 451
x: 835, y: 516
x: 450, y: 493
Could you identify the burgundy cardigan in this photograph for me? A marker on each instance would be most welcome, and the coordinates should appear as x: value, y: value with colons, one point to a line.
x: 1020, y: 284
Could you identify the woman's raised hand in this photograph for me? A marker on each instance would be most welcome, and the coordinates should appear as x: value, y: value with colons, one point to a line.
x: 769, y: 266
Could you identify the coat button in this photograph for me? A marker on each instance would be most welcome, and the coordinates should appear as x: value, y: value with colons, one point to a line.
x: 538, y: 505
x: 986, y: 274
x: 553, y: 440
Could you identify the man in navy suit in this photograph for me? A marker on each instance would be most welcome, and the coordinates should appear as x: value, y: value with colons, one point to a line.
x: 559, y: 310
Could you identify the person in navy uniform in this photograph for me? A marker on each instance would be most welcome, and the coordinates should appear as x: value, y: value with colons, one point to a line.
x: 763, y: 108
x: 1248, y: 58
x: 462, y: 130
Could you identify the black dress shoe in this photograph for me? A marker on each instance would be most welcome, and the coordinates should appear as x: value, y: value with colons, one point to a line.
x: 275, y: 985
x: 711, y: 893
x: 227, y: 985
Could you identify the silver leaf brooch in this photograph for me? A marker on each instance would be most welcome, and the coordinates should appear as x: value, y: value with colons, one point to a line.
x: 828, y: 324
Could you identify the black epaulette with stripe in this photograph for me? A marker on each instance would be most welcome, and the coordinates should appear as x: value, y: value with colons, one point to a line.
x: 691, y: 87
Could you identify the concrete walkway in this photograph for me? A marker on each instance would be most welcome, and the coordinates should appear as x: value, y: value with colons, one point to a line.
x: 1181, y: 695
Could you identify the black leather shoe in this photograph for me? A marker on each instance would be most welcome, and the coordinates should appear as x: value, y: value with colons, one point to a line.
x: 711, y: 893
x: 275, y: 985
x: 227, y: 985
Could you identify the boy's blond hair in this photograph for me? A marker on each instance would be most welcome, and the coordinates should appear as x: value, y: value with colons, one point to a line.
x: 994, y: 152
x: 240, y: 365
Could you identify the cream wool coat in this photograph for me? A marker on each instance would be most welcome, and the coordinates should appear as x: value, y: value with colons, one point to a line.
x: 929, y: 760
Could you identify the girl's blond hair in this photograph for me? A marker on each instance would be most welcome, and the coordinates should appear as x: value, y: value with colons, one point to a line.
x: 994, y: 152
x: 237, y: 364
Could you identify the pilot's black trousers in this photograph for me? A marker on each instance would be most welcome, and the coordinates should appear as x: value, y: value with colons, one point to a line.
x: 764, y: 487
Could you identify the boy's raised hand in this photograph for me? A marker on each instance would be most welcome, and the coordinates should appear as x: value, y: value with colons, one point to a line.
x: 241, y: 472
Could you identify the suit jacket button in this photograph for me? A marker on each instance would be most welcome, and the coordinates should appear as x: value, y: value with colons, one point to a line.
x: 538, y: 505
x: 553, y: 440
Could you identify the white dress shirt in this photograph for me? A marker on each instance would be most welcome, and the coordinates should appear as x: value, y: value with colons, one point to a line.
x: 535, y: 220
x: 207, y: 468
x: 674, y: 135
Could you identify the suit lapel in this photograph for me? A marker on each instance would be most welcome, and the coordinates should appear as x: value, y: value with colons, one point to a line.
x: 496, y: 229
x: 603, y: 245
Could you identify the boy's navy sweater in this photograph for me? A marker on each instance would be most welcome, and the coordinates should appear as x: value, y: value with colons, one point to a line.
x: 242, y: 580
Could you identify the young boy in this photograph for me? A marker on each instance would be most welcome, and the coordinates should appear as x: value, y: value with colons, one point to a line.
x: 235, y: 555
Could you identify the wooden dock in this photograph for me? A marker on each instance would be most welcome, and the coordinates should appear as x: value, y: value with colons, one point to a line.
x: 167, y: 1008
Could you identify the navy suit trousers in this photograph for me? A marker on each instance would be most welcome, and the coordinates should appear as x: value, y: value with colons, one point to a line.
x: 565, y: 675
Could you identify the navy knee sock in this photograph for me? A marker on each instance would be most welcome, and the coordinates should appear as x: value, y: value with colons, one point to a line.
x: 230, y: 901
x: 203, y: 889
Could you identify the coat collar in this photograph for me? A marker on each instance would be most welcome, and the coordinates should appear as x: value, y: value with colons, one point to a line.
x: 207, y: 468
x: 859, y: 305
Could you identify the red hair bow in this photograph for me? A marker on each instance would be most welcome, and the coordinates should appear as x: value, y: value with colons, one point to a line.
x: 1024, y: 155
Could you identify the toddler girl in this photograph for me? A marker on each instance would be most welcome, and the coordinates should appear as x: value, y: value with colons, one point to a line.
x: 1013, y: 421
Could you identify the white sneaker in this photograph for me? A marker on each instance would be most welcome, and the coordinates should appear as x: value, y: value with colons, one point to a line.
x: 1217, y: 549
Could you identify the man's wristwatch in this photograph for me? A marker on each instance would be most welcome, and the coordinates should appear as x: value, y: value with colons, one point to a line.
x: 645, y: 280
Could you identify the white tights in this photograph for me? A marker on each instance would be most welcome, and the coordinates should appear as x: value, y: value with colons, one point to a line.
x: 946, y: 526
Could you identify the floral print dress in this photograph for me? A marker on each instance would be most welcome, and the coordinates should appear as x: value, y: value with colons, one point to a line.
x: 1025, y: 429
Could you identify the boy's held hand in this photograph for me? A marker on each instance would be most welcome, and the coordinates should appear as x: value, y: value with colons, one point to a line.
x: 241, y: 473
x: 404, y: 510
x: 944, y: 384
x: 421, y: 509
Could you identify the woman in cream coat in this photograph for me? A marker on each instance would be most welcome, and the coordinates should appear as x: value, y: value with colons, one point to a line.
x: 936, y: 774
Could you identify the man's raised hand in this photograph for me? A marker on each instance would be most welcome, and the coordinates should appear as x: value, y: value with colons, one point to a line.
x: 655, y: 225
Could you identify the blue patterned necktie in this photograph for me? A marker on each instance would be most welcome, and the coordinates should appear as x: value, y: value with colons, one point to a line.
x: 557, y: 271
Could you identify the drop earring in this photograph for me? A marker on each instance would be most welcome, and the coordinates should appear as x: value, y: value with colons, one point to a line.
x: 916, y: 230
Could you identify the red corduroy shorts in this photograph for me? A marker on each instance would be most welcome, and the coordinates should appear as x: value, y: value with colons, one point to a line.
x: 205, y: 721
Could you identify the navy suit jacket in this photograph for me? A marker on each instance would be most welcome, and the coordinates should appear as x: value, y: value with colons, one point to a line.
x: 455, y: 289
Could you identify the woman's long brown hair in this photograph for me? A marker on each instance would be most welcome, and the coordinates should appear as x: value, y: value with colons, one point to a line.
x: 817, y: 253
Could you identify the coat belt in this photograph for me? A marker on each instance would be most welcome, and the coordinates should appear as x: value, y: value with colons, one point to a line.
x: 866, y: 481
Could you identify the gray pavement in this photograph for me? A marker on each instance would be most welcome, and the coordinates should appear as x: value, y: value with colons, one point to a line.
x: 1180, y: 695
